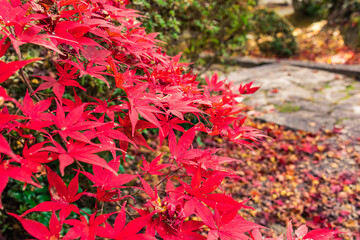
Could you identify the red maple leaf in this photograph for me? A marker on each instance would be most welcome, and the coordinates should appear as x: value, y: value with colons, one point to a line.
x: 8, y: 170
x: 79, y: 151
x: 91, y: 69
x: 139, y: 105
x: 62, y: 197
x: 213, y: 84
x: 177, y: 105
x: 86, y: 229
x: 29, y: 34
x: 107, y: 134
x: 205, y: 159
x: 11, y: 171
x: 58, y: 86
x: 167, y: 124
x: 179, y: 148
x: 36, y: 113
x: 73, y: 123
x: 3, y: 46
x: 199, y: 191
x: 153, y: 168
x: 119, y: 77
x: 120, y: 231
x: 102, y: 107
x: 106, y: 179
x: 137, y: 138
x: 8, y: 69
x: 226, y: 225
x: 40, y: 231
x: 247, y: 89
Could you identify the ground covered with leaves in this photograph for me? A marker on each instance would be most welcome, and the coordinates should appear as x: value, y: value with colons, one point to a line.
x: 299, y: 176
x: 318, y: 43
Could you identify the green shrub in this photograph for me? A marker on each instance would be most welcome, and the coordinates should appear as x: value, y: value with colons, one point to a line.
x: 198, y: 25
x: 314, y: 8
x: 273, y: 34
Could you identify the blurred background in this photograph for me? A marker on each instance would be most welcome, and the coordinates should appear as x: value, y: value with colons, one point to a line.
x: 212, y: 31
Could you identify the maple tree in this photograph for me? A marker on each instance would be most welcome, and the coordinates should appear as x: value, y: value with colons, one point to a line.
x: 64, y: 134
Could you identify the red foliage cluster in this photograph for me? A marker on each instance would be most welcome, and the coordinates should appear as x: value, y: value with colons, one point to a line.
x: 103, y: 39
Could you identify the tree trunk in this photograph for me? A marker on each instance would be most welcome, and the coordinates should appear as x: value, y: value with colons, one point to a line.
x: 336, y: 11
x: 296, y: 5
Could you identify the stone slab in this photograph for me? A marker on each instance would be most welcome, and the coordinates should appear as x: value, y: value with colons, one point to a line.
x: 303, y: 98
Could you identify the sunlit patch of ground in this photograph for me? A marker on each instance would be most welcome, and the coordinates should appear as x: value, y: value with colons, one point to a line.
x: 316, y: 43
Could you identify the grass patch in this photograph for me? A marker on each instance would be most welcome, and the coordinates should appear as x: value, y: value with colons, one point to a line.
x: 287, y: 108
x: 349, y: 88
x: 327, y: 86
x: 340, y: 120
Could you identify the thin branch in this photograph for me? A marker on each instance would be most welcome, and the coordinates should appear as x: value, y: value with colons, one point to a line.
x: 27, y: 82
x: 167, y: 177
x: 23, y: 76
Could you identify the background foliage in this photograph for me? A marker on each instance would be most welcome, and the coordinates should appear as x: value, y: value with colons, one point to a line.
x: 198, y: 25
x: 273, y: 33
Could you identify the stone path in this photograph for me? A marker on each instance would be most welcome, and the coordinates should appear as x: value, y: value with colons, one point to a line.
x: 348, y: 70
x: 302, y: 98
